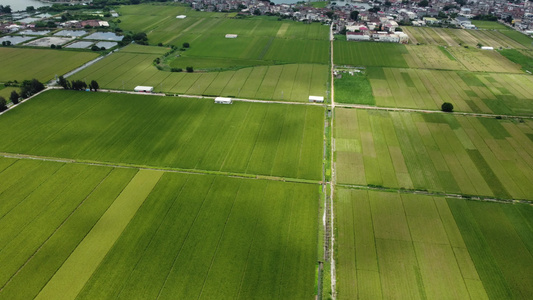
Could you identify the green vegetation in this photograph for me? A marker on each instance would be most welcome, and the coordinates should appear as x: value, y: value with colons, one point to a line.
x: 353, y: 89
x: 434, y: 152
x: 369, y: 54
x: 280, y: 82
x: 390, y: 245
x: 516, y: 56
x: 249, y: 138
x: 319, y: 4
x: 20, y: 64
x: 497, y: 93
x: 489, y: 25
x: 519, y: 37
x: 125, y: 232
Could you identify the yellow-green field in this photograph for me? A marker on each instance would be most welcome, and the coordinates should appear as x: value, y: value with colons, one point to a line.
x: 21, y: 64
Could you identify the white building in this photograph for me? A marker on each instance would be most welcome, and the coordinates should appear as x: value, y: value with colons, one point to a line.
x: 231, y: 36
x: 222, y: 100
x: 144, y: 89
x: 318, y: 99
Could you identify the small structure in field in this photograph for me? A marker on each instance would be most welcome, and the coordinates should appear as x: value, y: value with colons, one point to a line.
x: 318, y: 99
x: 144, y: 89
x: 222, y: 100
x: 181, y: 17
x: 231, y: 36
x: 487, y: 48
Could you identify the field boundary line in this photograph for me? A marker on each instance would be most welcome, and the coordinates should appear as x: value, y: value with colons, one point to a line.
x: 435, y: 194
x: 72, y: 276
x: 185, y: 240
x: 163, y: 169
x: 222, y: 235
x: 57, y: 229
x: 467, y: 114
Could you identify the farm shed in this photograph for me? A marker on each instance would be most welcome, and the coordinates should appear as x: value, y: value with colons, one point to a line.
x: 487, y: 48
x: 222, y: 100
x: 181, y: 17
x: 144, y: 89
x: 231, y: 36
x: 316, y: 99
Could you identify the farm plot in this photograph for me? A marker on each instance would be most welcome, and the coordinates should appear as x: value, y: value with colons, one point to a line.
x: 484, y: 60
x: 498, y: 237
x: 369, y: 54
x: 21, y: 64
x: 124, y: 71
x: 45, y: 221
x: 150, y: 234
x: 470, y: 92
x: 435, y: 152
x: 253, y: 138
x: 489, y: 25
x: 389, y: 246
x: 353, y: 89
x: 206, y: 236
x: 431, y: 57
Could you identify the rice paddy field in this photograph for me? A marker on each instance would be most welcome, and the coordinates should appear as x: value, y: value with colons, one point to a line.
x: 291, y: 82
x: 259, y: 39
x: 505, y: 38
x: 21, y: 64
x: 498, y: 93
x: 435, y: 152
x: 86, y: 231
x: 411, y: 246
x: 248, y: 138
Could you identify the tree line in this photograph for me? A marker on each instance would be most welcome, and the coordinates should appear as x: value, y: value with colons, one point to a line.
x: 77, y: 85
x: 27, y: 89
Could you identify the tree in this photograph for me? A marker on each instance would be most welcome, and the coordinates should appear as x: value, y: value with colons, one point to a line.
x: 78, y: 85
x: 186, y: 45
x: 95, y: 48
x: 423, y: 3
x: 14, y: 97
x: 447, y: 107
x: 257, y: 12
x: 30, y: 9
x: 94, y: 86
x: 3, y: 103
x: 30, y: 87
x: 63, y: 82
x: 354, y: 15
x: 189, y: 69
x: 5, y: 9
x: 329, y: 14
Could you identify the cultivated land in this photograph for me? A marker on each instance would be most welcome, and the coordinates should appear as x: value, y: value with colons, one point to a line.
x: 423, y: 247
x: 166, y: 197
x: 270, y: 59
x: 291, y: 82
x: 21, y: 64
x: 435, y: 152
x: 248, y: 138
x: 123, y: 232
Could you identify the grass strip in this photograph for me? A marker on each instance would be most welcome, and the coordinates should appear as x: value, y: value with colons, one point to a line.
x: 77, y: 269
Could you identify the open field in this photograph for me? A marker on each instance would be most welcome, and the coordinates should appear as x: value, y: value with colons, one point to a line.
x: 469, y: 92
x: 489, y: 25
x: 435, y: 152
x: 258, y: 39
x: 253, y: 138
x: 390, y: 246
x: 280, y: 82
x: 21, y: 64
x: 431, y: 57
x: 353, y: 89
x: 483, y: 60
x: 369, y: 54
x: 505, y: 38
x: 103, y: 231
x: 521, y: 57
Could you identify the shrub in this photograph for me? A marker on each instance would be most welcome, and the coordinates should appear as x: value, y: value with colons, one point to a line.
x: 447, y: 107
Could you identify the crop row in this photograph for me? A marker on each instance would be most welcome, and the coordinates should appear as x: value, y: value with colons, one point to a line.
x: 171, y: 132
x: 474, y: 156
